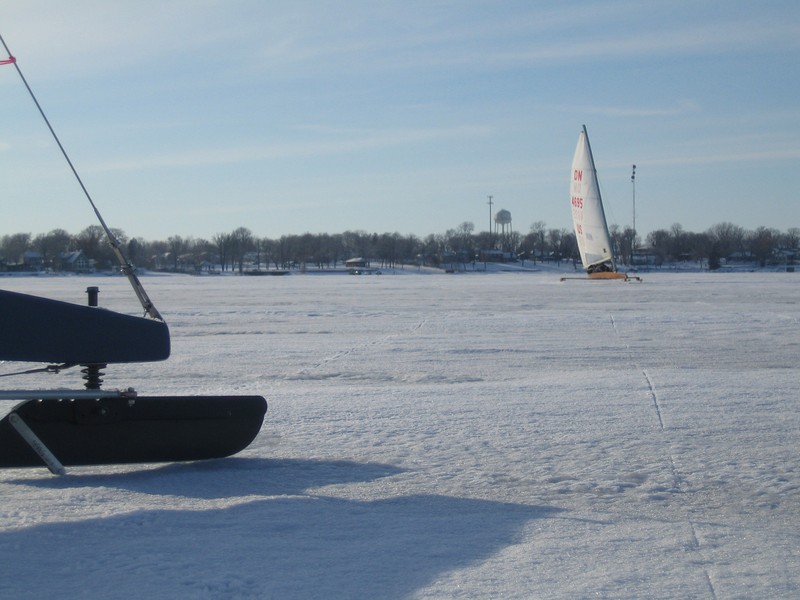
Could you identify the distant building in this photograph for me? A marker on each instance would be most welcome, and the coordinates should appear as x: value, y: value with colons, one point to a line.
x: 496, y: 256
x: 32, y: 260
x: 76, y: 262
x: 356, y: 263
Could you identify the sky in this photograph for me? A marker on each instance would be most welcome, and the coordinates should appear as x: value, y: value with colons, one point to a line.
x: 193, y: 118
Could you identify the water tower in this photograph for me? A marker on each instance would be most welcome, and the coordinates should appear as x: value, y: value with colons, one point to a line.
x: 502, y: 220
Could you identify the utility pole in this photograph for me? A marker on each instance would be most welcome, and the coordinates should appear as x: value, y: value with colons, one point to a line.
x: 633, y: 185
x: 491, y: 240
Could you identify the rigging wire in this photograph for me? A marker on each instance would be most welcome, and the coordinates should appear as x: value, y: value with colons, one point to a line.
x: 125, y: 265
x: 48, y: 369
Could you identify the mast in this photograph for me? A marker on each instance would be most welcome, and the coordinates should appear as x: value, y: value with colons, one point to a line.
x: 125, y: 265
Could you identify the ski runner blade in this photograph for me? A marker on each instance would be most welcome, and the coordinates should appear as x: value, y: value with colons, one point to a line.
x: 146, y: 429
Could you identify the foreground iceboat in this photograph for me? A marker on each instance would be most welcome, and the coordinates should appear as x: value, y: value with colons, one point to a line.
x: 58, y: 428
x: 588, y: 216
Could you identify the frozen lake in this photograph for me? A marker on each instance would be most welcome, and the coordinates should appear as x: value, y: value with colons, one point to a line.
x: 442, y: 436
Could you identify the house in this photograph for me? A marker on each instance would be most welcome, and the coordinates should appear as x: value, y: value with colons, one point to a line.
x: 76, y: 262
x: 32, y: 260
x: 356, y: 263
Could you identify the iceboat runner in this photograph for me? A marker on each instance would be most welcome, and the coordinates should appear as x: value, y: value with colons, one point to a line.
x: 588, y: 216
x: 90, y: 426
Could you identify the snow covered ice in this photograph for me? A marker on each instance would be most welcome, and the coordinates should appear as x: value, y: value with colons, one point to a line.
x: 442, y: 436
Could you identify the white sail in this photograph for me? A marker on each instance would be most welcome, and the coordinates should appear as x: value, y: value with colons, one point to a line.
x: 588, y: 217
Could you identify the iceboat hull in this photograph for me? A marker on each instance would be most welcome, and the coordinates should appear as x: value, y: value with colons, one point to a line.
x: 35, y: 329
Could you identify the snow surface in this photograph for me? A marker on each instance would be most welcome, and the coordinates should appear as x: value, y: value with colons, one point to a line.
x: 443, y: 436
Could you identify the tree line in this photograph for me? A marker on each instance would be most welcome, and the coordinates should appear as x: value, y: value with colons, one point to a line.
x: 242, y: 250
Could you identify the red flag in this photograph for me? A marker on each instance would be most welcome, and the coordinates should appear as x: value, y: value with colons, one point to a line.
x: 8, y: 61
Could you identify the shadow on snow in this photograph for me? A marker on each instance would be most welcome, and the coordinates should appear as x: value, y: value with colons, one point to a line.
x: 286, y: 545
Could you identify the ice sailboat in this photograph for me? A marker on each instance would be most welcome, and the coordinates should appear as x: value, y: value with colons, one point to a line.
x: 58, y: 428
x: 588, y: 216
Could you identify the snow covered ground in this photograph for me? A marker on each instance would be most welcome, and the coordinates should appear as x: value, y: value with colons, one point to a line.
x: 443, y: 436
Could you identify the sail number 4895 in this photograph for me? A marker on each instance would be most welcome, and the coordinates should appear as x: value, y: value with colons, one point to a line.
x: 577, y: 202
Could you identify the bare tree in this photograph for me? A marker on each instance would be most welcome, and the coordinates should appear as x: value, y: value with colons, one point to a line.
x: 242, y: 243
x: 89, y: 241
x: 538, y: 231
x: 660, y: 241
x: 699, y: 246
x: 728, y: 238
x: 222, y: 242
x: 569, y: 244
x: 554, y: 242
x: 51, y: 245
x: 763, y: 244
x: 14, y: 246
x: 791, y: 239
x: 136, y: 250
x: 678, y: 242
